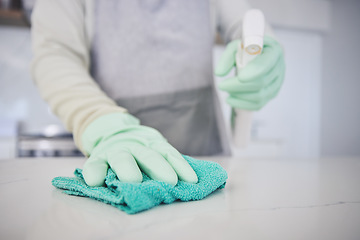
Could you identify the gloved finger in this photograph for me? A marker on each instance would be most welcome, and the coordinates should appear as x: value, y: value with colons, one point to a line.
x: 262, y: 95
x: 227, y: 60
x: 255, y: 101
x: 277, y: 87
x: 262, y: 64
x: 269, y: 91
x: 243, y: 104
x: 257, y: 97
x: 94, y: 171
x: 182, y: 168
x: 234, y: 85
x: 154, y: 165
x: 124, y: 166
x: 254, y: 97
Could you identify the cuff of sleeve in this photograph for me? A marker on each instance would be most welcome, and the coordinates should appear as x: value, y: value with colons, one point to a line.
x: 83, y: 120
x: 105, y: 126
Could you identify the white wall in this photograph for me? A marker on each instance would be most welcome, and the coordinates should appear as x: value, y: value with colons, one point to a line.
x: 340, y: 124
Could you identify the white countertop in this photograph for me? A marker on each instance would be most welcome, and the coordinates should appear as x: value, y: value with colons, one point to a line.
x: 263, y: 199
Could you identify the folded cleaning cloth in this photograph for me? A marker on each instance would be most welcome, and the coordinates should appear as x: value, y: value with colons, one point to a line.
x: 135, y: 197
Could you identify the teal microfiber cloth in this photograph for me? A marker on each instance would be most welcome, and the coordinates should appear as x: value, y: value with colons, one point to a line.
x: 136, y: 197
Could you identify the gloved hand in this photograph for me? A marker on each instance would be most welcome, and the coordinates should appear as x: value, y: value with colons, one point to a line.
x: 119, y: 141
x: 258, y: 82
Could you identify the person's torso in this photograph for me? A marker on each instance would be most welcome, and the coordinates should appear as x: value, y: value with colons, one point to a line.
x: 154, y: 58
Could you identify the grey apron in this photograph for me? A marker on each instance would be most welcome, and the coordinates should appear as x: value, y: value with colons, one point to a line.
x: 154, y: 57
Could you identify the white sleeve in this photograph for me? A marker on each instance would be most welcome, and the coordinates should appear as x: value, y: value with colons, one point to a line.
x: 60, y: 66
x: 229, y: 16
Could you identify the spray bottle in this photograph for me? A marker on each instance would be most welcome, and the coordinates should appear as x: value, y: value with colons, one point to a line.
x: 250, y: 46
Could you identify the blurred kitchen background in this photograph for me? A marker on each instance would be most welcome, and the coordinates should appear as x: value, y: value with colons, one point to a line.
x: 317, y: 112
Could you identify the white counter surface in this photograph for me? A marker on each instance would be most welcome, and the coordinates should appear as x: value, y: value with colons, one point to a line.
x: 263, y: 199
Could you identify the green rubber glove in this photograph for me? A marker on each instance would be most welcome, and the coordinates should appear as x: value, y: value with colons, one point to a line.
x: 258, y: 82
x: 119, y: 141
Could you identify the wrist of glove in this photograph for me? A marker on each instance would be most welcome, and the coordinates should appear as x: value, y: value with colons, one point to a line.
x: 119, y: 141
x: 258, y: 82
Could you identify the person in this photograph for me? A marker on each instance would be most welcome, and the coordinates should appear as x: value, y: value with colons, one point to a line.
x: 133, y: 80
